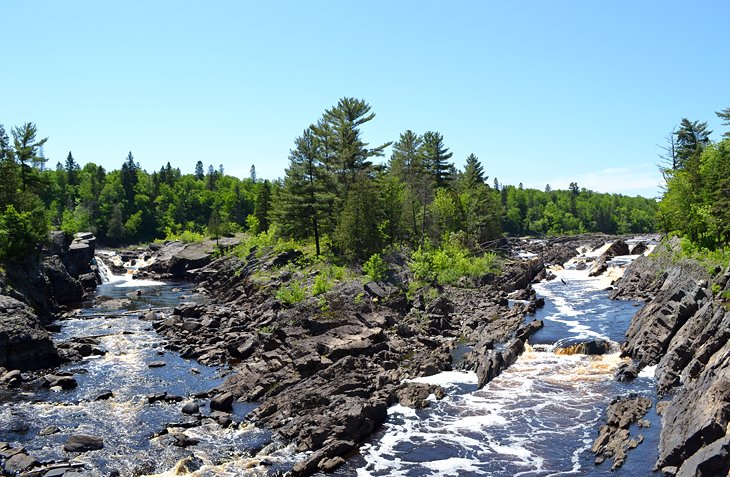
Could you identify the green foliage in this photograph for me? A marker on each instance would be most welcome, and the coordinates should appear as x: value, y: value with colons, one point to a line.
x: 375, y: 268
x: 322, y: 284
x: 186, y: 236
x: 450, y: 262
x: 710, y: 259
x: 292, y: 293
x: 19, y: 234
x: 696, y: 204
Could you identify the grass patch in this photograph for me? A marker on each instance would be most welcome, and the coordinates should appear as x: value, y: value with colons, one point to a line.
x: 186, y: 236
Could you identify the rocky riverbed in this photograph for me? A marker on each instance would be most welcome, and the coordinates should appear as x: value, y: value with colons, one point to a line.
x: 324, y: 371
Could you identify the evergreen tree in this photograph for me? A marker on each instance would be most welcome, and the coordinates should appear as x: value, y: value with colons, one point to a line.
x: 408, y: 164
x: 692, y: 137
x: 306, y: 195
x: 8, y: 172
x: 72, y: 170
x: 358, y: 235
x: 473, y: 172
x: 344, y: 151
x: 129, y: 181
x: 725, y: 116
x: 436, y: 157
x: 211, y: 178
x: 252, y: 174
x: 199, y: 172
x: 28, y: 153
x: 263, y: 205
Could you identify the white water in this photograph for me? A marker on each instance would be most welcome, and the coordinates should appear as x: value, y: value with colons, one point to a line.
x: 123, y: 281
x: 538, y: 418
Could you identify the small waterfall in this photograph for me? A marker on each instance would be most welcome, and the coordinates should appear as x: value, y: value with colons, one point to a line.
x: 104, y: 272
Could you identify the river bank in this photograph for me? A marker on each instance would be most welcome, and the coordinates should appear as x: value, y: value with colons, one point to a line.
x: 321, y: 373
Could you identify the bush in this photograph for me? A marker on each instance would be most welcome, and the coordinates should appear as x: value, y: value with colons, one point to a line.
x: 375, y: 268
x: 322, y: 284
x: 20, y: 233
x: 447, y: 264
x: 291, y: 294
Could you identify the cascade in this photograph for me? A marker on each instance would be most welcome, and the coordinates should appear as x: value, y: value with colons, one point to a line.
x: 104, y: 272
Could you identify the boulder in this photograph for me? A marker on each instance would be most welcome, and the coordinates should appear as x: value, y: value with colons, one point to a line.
x: 66, y: 289
x: 83, y: 443
x: 20, y: 462
x: 24, y: 344
x: 222, y: 402
x: 619, y: 247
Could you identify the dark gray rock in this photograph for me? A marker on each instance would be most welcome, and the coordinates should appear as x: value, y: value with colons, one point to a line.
x: 614, y: 439
x: 20, y: 462
x: 83, y: 443
x: 191, y: 407
x: 222, y: 402
x: 24, y: 344
x: 600, y: 265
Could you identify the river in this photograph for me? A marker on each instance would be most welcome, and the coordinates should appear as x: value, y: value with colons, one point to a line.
x: 538, y: 418
x: 127, y: 422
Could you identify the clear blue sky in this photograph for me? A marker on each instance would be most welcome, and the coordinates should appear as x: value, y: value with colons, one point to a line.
x: 541, y: 91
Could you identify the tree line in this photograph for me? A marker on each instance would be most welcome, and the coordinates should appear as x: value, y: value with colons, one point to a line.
x: 335, y: 193
x: 696, y: 202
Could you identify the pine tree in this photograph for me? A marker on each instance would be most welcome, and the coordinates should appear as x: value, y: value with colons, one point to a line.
x: 8, y: 172
x: 252, y: 174
x: 408, y: 164
x: 199, y: 171
x: 692, y: 137
x: 725, y: 116
x: 344, y: 152
x: 473, y: 172
x: 436, y: 157
x: 306, y: 196
x: 263, y: 205
x: 129, y: 180
x: 72, y: 170
x: 28, y: 153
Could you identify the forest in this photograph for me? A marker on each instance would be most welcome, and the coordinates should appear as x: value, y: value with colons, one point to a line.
x: 346, y: 198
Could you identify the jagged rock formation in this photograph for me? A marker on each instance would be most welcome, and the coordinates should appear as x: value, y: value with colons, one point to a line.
x: 614, y: 439
x: 684, y: 330
x: 326, y: 369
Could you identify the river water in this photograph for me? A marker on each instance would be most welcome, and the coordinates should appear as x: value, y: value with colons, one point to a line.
x: 538, y: 418
x: 127, y: 421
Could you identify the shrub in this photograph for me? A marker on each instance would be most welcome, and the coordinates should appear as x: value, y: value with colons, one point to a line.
x: 291, y: 294
x: 447, y: 264
x: 321, y: 285
x: 375, y: 268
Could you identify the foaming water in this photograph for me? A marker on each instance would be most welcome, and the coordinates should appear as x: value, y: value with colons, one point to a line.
x: 538, y: 418
x: 127, y: 422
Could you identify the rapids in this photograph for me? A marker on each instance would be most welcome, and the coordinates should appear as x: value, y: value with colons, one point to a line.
x: 538, y: 418
x: 138, y: 436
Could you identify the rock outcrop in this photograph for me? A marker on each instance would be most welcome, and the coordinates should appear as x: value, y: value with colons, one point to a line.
x: 614, y: 439
x: 24, y: 344
x: 684, y: 329
x: 600, y: 265
x: 325, y: 369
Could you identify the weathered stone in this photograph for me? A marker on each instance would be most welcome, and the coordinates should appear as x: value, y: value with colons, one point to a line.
x: 222, y: 402
x: 24, y: 344
x: 83, y: 443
